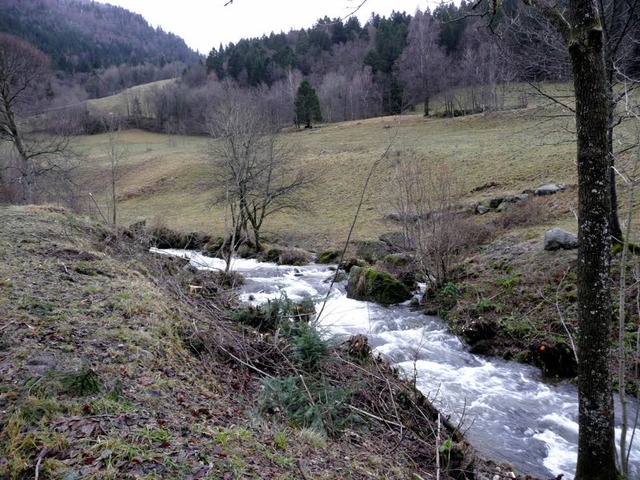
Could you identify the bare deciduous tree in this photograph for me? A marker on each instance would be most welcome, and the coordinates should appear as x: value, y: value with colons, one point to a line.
x: 40, y: 149
x: 253, y: 164
x: 423, y: 61
x: 116, y: 152
x: 425, y: 200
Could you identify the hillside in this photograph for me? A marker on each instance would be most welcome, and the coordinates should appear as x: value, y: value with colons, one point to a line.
x: 504, y: 277
x: 110, y: 369
x: 169, y: 180
x: 81, y: 36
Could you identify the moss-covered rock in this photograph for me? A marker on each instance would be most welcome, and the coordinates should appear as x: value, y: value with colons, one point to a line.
x: 330, y: 256
x: 374, y: 286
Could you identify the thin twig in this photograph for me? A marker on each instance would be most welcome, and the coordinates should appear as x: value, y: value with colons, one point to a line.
x: 353, y: 223
x: 375, y: 417
x: 41, y: 455
x: 299, y: 464
x: 438, y: 450
x: 307, y: 390
x: 564, y: 324
x: 246, y: 364
x: 2, y: 327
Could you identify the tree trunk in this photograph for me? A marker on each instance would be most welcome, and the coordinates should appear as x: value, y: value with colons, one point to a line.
x: 26, y: 178
x: 596, y: 447
x: 25, y: 169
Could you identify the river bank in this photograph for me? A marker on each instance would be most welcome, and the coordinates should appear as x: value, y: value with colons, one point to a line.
x: 112, y: 367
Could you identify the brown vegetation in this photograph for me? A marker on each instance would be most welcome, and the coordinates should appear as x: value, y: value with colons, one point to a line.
x: 110, y: 367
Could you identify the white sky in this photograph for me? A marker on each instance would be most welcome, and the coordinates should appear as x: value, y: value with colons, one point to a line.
x: 204, y: 24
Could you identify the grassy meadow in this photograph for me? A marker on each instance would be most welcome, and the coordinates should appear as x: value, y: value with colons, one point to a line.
x: 121, y: 102
x: 168, y: 179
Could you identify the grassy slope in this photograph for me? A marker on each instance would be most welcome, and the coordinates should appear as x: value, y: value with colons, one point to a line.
x: 121, y: 102
x: 109, y: 370
x: 507, y: 294
x: 168, y: 179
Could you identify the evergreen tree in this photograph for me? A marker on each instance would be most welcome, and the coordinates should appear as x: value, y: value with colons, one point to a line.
x: 307, y: 105
x: 215, y: 62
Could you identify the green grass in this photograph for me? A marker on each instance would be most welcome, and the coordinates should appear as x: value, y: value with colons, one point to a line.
x: 169, y: 180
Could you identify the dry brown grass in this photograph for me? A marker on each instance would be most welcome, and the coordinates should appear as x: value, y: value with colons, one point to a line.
x: 112, y: 368
x: 170, y: 178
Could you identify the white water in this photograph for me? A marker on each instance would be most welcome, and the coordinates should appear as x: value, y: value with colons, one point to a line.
x: 508, y: 411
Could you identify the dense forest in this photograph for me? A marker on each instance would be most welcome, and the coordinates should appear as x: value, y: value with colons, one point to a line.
x: 83, y: 36
x: 386, y: 66
x: 97, y: 49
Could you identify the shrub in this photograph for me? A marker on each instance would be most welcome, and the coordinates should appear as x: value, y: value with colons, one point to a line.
x: 530, y: 211
x: 272, y: 255
x: 309, y: 348
x: 81, y: 384
x: 306, y: 402
x: 266, y: 317
x: 163, y: 237
x: 277, y: 313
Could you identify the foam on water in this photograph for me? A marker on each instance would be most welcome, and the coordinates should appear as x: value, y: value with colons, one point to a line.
x: 509, y: 413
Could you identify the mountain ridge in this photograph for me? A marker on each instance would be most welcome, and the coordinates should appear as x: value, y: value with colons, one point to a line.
x: 82, y: 35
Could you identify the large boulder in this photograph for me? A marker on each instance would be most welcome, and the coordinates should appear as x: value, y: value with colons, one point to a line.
x: 374, y: 286
x: 557, y: 238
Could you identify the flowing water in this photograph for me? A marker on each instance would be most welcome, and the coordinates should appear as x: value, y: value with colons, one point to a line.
x: 509, y: 412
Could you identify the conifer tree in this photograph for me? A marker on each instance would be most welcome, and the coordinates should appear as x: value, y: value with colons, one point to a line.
x: 307, y: 105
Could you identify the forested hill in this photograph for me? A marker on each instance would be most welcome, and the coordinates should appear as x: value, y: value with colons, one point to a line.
x: 82, y: 35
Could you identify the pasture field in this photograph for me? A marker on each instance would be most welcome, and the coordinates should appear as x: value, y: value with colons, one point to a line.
x: 121, y: 102
x: 170, y: 180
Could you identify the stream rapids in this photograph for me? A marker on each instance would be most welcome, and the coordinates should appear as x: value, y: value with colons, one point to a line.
x: 507, y: 410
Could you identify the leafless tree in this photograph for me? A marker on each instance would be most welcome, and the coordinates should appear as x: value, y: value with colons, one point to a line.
x: 425, y: 200
x: 629, y: 171
x: 423, y: 61
x: 254, y: 165
x: 39, y: 147
x: 542, y: 54
x: 116, y: 152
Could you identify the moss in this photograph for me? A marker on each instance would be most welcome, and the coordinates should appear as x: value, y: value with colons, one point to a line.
x: 330, y: 256
x: 372, y: 285
x: 396, y: 260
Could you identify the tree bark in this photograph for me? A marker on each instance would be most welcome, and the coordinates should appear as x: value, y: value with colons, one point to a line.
x: 596, y: 447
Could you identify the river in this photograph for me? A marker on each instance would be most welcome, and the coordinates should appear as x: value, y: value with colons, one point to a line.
x: 507, y: 410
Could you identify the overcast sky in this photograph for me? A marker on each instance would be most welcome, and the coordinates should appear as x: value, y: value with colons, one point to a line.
x: 208, y: 23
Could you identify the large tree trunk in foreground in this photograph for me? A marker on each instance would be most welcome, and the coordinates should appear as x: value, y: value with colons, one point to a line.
x: 596, y: 447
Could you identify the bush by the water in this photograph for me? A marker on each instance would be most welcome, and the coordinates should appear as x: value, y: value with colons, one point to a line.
x: 330, y: 256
